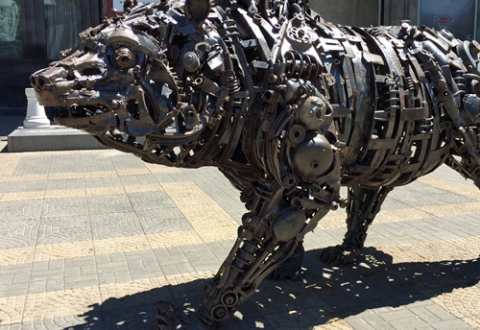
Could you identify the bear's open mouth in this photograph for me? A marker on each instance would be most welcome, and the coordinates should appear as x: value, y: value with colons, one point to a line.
x: 77, y: 111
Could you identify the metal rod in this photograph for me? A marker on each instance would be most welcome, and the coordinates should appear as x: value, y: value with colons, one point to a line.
x: 476, y: 21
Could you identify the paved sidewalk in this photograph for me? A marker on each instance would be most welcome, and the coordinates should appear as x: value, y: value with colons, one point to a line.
x: 92, y: 239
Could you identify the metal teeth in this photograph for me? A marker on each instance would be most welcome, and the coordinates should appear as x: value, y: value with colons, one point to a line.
x: 296, y: 135
x: 289, y: 181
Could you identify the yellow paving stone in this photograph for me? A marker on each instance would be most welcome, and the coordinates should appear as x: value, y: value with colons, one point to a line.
x: 100, y: 151
x: 332, y: 220
x: 464, y: 303
x: 121, y: 244
x: 105, y: 191
x: 11, y: 156
x: 338, y: 220
x: 70, y: 303
x: 9, y: 163
x: 451, y: 209
x: 120, y: 290
x: 448, y: 250
x: 75, y: 193
x: 403, y: 215
x: 457, y: 188
x: 33, y: 177
x: 69, y: 193
x: 59, y: 304
x: 11, y: 310
x: 6, y: 176
x: 100, y: 174
x: 334, y: 324
x: 60, y: 176
x: 202, y: 212
x: 68, y: 250
x: 16, y: 256
x: 210, y: 224
x: 39, y: 153
x: 143, y: 188
x: 140, y: 171
x: 189, y: 277
x: 161, y: 169
x: 172, y: 239
x: 22, y: 196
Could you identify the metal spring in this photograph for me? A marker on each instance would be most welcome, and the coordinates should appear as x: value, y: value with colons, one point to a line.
x: 392, y: 97
x: 459, y: 80
x: 410, y: 84
x: 302, y: 66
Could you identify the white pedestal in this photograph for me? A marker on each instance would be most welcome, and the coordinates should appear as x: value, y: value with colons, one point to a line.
x: 36, y: 117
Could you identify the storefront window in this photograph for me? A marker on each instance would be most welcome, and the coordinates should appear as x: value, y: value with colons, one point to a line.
x: 61, y: 26
x: 459, y: 16
x: 10, y: 30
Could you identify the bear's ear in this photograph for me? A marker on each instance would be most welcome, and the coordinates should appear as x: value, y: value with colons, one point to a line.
x: 197, y: 10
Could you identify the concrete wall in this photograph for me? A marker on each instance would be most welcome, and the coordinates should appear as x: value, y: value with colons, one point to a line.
x: 348, y: 12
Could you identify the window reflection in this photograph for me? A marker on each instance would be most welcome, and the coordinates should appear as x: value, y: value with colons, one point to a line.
x: 61, y: 26
x: 10, y: 30
x: 456, y: 16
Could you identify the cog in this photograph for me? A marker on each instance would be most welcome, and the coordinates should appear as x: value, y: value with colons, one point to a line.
x: 289, y: 181
x: 296, y: 135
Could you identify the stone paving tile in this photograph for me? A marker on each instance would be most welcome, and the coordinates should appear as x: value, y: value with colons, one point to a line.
x: 201, y: 211
x: 161, y: 220
x: 64, y: 207
x: 17, y: 210
x: 112, y: 225
x: 33, y: 166
x: 420, y: 194
x: 104, y: 268
x: 54, y: 230
x: 149, y: 200
x: 109, y: 204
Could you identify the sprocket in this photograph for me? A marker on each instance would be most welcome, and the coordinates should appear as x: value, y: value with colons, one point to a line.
x: 296, y: 134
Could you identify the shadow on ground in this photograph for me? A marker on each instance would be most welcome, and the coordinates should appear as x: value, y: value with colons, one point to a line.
x: 323, y: 294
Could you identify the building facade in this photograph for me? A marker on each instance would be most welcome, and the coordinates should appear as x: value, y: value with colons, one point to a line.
x: 459, y: 17
x: 32, y: 32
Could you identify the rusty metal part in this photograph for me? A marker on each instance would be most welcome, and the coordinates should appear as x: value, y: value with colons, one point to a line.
x: 289, y: 107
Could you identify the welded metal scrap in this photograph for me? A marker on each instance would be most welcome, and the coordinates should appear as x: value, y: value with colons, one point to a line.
x: 288, y: 106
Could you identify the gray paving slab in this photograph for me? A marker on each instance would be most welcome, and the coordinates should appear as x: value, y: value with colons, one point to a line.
x: 381, y: 297
x: 119, y: 203
x: 55, y: 230
x: 150, y: 200
x: 162, y: 220
x: 118, y: 224
x: 418, y: 194
x: 33, y: 165
x: 64, y: 207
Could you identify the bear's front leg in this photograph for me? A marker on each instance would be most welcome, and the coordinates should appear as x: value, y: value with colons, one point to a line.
x: 270, y: 235
x: 363, y: 206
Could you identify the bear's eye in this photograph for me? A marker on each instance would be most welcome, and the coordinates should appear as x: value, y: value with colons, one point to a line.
x: 123, y: 58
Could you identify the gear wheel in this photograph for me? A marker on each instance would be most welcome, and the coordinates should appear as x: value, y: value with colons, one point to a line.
x: 289, y: 181
x: 296, y: 135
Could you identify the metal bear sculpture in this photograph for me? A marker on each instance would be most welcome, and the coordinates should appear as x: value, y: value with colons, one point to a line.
x: 289, y: 107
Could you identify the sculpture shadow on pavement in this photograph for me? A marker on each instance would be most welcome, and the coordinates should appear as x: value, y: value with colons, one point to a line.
x: 373, y: 282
